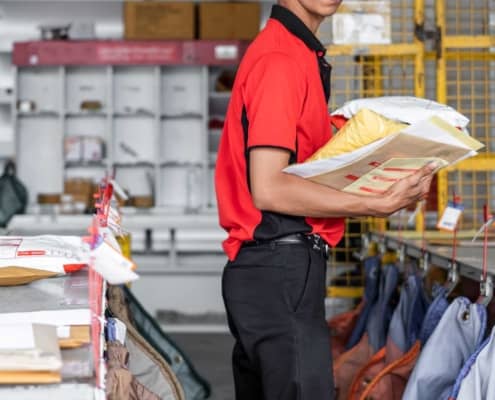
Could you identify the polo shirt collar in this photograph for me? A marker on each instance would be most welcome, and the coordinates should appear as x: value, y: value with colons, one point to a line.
x: 295, y: 26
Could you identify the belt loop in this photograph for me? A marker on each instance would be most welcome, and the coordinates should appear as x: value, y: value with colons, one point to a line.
x: 317, y: 243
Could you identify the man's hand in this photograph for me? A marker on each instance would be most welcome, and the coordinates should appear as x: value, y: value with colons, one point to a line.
x: 276, y: 191
x: 407, y: 191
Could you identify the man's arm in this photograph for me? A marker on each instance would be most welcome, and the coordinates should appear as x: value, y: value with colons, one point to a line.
x: 274, y: 190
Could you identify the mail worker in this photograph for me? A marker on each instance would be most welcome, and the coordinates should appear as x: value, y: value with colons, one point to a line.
x: 279, y: 225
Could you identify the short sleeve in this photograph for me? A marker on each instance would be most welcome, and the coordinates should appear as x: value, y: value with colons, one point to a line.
x: 274, y: 94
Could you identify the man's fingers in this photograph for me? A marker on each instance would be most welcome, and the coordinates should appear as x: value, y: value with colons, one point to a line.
x: 428, y: 169
x: 425, y: 186
x: 423, y: 175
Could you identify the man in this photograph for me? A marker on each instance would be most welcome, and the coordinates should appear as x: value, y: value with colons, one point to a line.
x: 278, y: 224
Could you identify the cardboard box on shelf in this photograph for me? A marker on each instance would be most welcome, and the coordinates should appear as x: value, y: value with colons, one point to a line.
x: 81, y: 190
x: 159, y: 20
x: 359, y: 22
x: 49, y: 198
x: 142, y: 201
x: 229, y: 20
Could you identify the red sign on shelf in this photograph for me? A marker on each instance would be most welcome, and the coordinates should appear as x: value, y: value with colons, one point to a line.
x: 122, y: 52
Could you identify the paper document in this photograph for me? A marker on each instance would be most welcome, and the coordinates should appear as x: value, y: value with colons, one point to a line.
x: 55, y: 317
x: 374, y: 168
x: 63, y: 332
x: 112, y: 265
x: 16, y: 336
x: 37, y: 351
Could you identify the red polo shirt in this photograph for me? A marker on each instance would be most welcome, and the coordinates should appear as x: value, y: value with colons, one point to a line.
x: 279, y: 99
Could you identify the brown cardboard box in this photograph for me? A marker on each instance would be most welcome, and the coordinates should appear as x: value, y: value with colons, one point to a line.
x: 159, y: 20
x: 142, y: 201
x: 48, y: 198
x: 238, y: 21
x: 81, y: 190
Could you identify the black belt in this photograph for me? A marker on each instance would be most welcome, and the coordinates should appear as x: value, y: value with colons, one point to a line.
x: 314, y: 241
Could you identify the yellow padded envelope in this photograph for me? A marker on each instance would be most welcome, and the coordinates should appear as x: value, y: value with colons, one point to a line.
x: 80, y: 335
x: 362, y: 129
x: 29, y: 377
x: 13, y: 276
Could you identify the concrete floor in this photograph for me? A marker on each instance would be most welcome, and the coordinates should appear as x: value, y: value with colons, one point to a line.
x: 210, y: 353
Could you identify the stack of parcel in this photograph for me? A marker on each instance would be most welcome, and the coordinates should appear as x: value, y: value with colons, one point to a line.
x: 71, y: 329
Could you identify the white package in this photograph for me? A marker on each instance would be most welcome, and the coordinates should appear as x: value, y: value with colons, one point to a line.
x: 46, y: 252
x: 112, y: 265
x: 406, y: 109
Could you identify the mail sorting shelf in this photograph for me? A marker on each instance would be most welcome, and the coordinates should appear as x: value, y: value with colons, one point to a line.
x: 148, y: 106
x: 69, y: 292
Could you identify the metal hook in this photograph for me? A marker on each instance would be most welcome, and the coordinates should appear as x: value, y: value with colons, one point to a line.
x: 382, y: 247
x: 452, y: 278
x: 424, y: 264
x: 401, y: 254
x: 486, y: 291
x: 365, y: 247
x: 482, y: 229
x: 365, y: 240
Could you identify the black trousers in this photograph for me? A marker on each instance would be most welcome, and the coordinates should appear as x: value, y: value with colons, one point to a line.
x: 274, y: 296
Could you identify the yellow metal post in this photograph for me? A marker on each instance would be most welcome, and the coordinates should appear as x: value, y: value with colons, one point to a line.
x: 441, y: 96
x: 419, y: 65
x: 419, y: 71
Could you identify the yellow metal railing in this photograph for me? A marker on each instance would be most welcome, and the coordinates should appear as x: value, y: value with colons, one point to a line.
x: 458, y: 69
x: 465, y: 80
x: 396, y: 69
